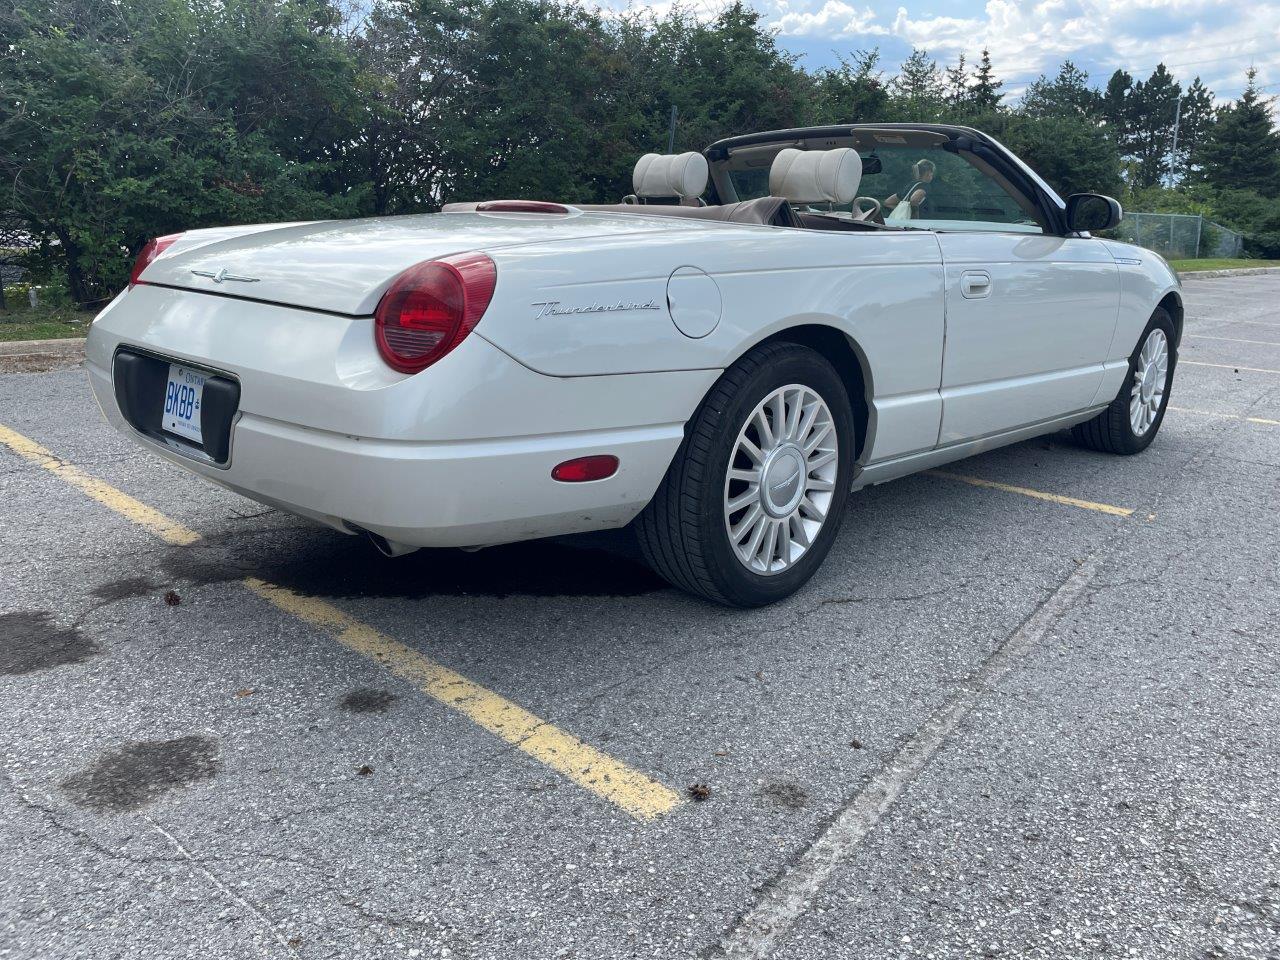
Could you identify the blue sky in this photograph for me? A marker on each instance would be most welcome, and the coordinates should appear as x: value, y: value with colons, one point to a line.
x: 1216, y: 39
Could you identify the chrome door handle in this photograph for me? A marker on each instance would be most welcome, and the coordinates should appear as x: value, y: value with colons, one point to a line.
x: 975, y: 284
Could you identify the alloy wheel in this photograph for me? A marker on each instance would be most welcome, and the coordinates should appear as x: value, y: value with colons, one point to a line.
x: 781, y: 479
x: 1150, y: 380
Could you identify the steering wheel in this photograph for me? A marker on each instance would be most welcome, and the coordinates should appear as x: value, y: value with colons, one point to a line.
x: 866, y: 213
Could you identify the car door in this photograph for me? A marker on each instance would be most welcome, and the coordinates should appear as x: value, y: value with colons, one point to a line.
x: 1030, y: 318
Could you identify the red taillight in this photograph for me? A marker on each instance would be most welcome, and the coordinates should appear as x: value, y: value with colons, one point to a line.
x: 582, y: 469
x: 521, y: 206
x: 152, y: 250
x: 430, y: 309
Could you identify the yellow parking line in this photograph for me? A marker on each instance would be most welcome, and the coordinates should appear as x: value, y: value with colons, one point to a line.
x: 1205, y: 336
x: 1037, y: 494
x: 586, y: 766
x: 1227, y: 366
x: 1226, y: 416
x: 107, y: 495
x: 637, y: 794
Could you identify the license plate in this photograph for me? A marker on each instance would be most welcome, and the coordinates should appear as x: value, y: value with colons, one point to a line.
x: 182, y: 398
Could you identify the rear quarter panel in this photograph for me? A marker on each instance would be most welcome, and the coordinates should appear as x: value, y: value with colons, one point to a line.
x: 883, y: 290
x: 322, y: 372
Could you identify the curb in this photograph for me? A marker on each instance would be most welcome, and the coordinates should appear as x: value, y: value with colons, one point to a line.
x: 61, y: 347
x: 1238, y: 272
x: 38, y: 356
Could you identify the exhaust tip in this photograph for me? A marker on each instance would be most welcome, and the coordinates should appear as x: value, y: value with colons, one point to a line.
x: 388, y: 548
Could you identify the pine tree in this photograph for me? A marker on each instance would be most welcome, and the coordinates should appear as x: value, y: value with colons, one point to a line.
x: 1066, y: 95
x: 1193, y: 126
x: 1242, y: 147
x: 1152, y: 108
x: 985, y: 95
x: 1115, y: 109
x: 918, y: 89
x: 957, y: 84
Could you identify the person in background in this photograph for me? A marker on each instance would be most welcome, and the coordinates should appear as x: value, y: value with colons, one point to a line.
x: 916, y: 195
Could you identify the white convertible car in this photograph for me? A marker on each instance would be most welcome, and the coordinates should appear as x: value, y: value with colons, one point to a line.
x: 849, y: 304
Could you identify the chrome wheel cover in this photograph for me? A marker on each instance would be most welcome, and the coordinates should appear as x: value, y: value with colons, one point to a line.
x: 1150, y: 380
x: 780, y: 479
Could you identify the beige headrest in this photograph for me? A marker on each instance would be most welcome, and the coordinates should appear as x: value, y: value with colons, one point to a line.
x: 670, y: 175
x: 816, y: 176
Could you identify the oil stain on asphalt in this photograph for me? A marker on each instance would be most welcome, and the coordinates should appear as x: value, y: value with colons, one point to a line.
x: 784, y: 793
x: 123, y: 589
x: 31, y: 640
x: 141, y: 772
x: 368, y: 700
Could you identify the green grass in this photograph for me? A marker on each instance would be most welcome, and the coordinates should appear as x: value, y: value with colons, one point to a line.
x: 43, y: 323
x: 1190, y: 266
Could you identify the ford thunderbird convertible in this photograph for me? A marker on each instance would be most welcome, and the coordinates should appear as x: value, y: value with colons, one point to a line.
x: 718, y: 360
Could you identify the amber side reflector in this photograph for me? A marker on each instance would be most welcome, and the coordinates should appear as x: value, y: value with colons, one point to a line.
x: 582, y: 469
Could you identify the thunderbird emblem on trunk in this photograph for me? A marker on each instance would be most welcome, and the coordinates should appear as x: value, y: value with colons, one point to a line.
x: 223, y: 275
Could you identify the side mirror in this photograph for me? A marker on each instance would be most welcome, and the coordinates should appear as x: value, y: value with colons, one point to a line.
x: 1091, y: 212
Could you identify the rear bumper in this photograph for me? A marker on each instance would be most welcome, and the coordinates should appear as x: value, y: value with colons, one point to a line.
x: 446, y: 458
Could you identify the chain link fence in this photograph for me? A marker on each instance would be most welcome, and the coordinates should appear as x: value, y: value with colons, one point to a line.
x: 1179, y: 236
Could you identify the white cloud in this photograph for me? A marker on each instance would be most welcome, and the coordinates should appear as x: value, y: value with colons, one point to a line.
x: 835, y: 20
x: 1213, y: 38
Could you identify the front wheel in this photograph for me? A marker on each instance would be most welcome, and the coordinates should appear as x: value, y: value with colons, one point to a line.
x: 752, y: 501
x: 1133, y: 418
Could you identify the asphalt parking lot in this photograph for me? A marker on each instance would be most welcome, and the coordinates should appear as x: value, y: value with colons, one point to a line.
x: 1036, y: 715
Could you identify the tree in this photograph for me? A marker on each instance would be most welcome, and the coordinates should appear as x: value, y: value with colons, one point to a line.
x: 917, y: 90
x: 1115, y: 109
x: 512, y: 98
x: 1152, y: 108
x: 727, y: 76
x: 1074, y: 154
x: 128, y: 119
x: 1195, y: 119
x: 395, y: 144
x: 853, y: 92
x: 957, y: 85
x: 1257, y: 217
x: 13, y: 242
x: 143, y: 117
x: 1059, y: 130
x: 1241, y: 149
x: 535, y: 98
x: 1068, y: 94
x: 984, y: 94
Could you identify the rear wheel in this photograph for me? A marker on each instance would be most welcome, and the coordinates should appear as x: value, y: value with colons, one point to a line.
x: 1133, y: 418
x: 752, y: 501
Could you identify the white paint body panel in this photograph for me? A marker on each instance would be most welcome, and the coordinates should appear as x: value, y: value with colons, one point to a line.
x: 344, y: 266
x: 462, y: 457
x: 1032, y: 345
x: 461, y: 454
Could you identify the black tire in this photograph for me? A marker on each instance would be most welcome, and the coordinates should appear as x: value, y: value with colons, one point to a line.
x: 1111, y: 431
x: 682, y: 531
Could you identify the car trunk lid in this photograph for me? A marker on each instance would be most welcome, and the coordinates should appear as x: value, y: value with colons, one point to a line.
x: 345, y: 266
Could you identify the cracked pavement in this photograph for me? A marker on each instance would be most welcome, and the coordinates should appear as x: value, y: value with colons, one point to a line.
x: 259, y: 790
